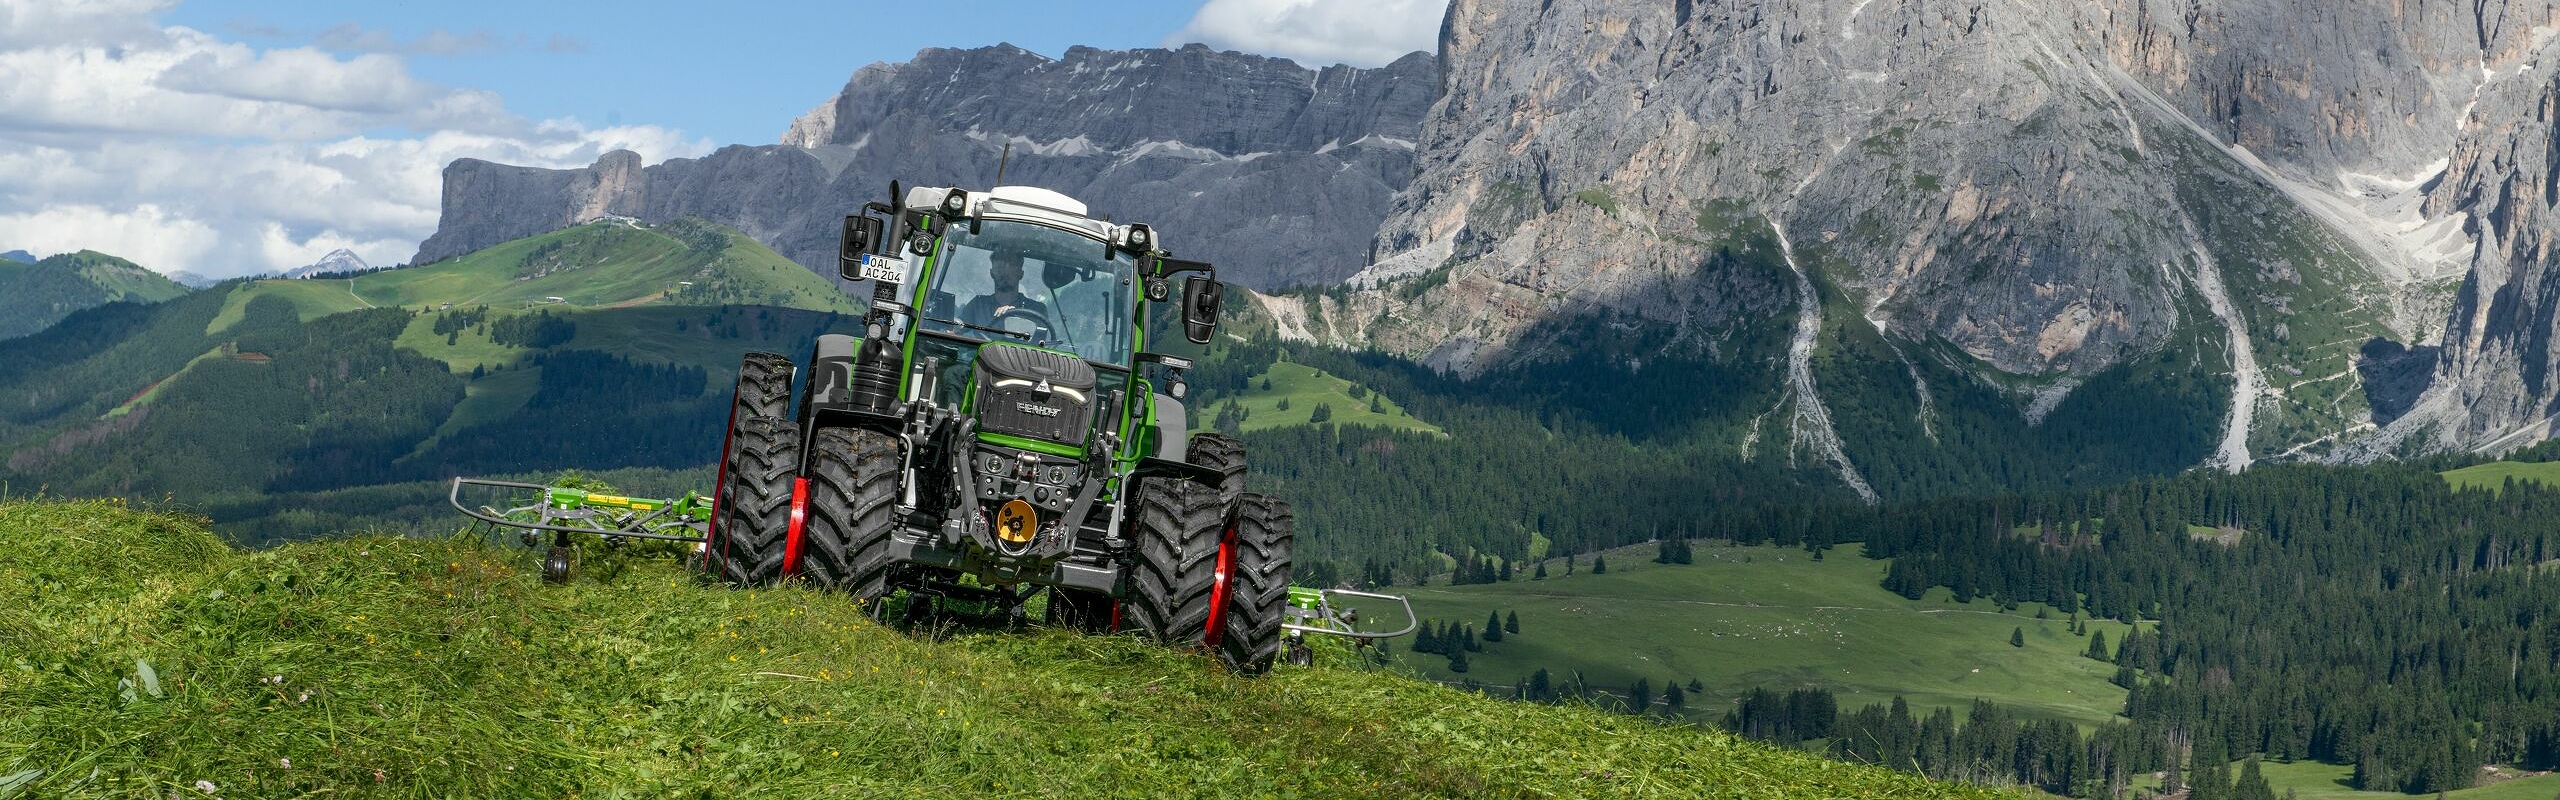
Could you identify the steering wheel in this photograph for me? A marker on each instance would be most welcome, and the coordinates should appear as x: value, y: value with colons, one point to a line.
x: 1037, y: 320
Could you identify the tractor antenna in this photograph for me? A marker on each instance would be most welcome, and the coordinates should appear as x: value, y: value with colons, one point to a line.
x: 1000, y: 162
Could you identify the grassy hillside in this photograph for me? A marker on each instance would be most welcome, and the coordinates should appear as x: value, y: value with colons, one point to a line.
x: 2312, y: 780
x: 1744, y: 617
x: 1289, y: 394
x: 157, y: 660
x: 2495, y: 474
x: 596, y: 265
x: 35, y: 296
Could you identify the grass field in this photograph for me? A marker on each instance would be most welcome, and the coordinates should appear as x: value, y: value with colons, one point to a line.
x: 1303, y: 388
x: 2495, y: 474
x: 1742, y: 617
x: 2311, y: 780
x: 148, y: 659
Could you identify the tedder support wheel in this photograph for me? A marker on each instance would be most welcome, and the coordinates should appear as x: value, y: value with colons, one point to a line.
x: 754, y: 514
x: 853, y: 488
x: 1251, y: 596
x: 763, y: 390
x: 1178, y: 525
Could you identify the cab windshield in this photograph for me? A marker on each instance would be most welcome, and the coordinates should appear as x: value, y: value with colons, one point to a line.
x: 1015, y: 281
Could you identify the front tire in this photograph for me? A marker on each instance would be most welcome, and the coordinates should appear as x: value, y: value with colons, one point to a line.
x: 1178, y: 524
x: 1253, y: 597
x: 853, y: 491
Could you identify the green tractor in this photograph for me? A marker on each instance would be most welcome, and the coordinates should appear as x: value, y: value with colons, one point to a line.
x: 999, y: 430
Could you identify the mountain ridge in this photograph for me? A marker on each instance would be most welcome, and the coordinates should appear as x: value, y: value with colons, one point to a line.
x: 34, y: 296
x: 1274, y: 171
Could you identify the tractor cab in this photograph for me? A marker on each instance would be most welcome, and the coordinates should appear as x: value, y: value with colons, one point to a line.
x: 1023, y: 275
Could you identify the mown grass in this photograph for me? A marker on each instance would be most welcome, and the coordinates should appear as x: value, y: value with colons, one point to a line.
x: 1745, y: 617
x: 2494, y: 475
x: 150, y: 659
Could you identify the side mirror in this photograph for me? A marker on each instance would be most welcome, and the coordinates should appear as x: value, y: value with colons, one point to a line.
x: 861, y: 233
x: 1200, y: 300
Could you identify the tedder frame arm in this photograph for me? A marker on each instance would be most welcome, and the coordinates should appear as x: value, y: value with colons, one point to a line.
x: 544, y: 508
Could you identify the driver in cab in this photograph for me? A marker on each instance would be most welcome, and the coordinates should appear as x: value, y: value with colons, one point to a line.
x: 990, y: 309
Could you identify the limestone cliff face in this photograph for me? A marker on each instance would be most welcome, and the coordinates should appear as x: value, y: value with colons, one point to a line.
x: 1277, y: 173
x: 2051, y: 188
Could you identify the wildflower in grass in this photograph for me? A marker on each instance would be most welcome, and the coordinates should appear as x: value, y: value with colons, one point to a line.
x: 286, y: 763
x: 206, y: 787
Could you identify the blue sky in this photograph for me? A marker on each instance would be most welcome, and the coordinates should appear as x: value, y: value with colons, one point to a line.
x: 228, y: 137
x: 730, y: 72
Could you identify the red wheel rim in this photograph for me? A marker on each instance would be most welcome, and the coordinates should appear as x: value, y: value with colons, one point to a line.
x: 799, y: 522
x: 1218, y: 587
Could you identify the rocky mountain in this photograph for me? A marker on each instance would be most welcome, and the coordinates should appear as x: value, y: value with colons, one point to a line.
x: 192, y: 280
x: 339, y: 260
x: 35, y: 296
x: 20, y: 256
x: 2343, y: 211
x: 1276, y: 172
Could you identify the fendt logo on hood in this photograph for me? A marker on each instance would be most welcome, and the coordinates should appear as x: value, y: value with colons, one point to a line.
x: 1037, y: 411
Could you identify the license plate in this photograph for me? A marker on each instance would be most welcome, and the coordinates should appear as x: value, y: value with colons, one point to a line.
x: 886, y: 269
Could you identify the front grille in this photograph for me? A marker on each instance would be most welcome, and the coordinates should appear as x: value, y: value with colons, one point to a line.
x: 1011, y: 397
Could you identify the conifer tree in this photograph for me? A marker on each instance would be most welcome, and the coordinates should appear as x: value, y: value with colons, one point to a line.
x: 1673, y: 697
x: 1640, y: 696
x: 1600, y: 565
x: 2098, y: 647
x: 1493, y: 626
x: 1511, y: 622
x: 1541, y: 574
x: 2017, y: 637
x: 2252, y: 784
x: 1458, y: 659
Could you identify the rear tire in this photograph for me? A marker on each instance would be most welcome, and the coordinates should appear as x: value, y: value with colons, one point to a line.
x: 1256, y: 596
x: 853, y: 493
x: 1178, y: 524
x: 755, y: 505
x: 1223, y: 453
x: 764, y: 388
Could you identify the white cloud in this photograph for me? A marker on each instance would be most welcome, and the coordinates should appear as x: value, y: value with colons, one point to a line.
x: 1317, y: 33
x: 183, y: 151
x: 145, y: 234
